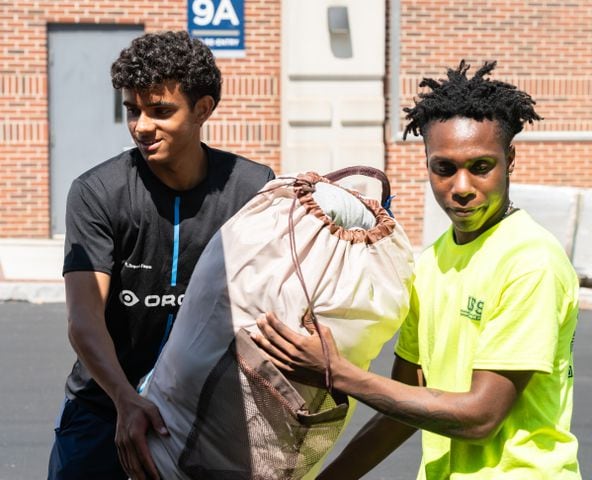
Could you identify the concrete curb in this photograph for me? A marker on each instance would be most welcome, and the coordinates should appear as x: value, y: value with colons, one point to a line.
x: 33, y: 292
x: 586, y: 298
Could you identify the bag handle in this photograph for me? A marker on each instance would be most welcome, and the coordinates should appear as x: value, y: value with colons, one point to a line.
x: 368, y: 172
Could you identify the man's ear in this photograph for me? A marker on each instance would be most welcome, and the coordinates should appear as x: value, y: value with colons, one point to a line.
x: 203, y: 108
x: 510, y: 159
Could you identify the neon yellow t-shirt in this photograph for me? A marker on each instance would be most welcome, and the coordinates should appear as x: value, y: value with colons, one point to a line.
x: 505, y: 301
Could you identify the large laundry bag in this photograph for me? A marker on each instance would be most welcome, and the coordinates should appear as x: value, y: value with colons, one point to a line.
x: 230, y: 413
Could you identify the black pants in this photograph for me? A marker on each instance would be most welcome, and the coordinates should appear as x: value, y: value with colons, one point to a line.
x: 84, y: 447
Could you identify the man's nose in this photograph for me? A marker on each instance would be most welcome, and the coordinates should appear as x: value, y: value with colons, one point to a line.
x: 144, y: 124
x: 463, y: 186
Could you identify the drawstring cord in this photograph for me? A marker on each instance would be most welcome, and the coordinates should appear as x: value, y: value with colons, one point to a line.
x: 309, y: 311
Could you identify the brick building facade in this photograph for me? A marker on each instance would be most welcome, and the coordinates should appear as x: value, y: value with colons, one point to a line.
x: 543, y: 47
x: 247, y: 120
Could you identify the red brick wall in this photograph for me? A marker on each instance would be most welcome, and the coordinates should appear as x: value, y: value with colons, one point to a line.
x: 247, y: 120
x: 543, y: 47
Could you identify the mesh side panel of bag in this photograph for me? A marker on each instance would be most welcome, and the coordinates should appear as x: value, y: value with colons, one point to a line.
x: 256, y: 406
x: 298, y: 443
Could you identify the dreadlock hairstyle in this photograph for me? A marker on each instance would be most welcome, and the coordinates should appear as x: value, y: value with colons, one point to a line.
x: 477, y: 98
x: 155, y: 58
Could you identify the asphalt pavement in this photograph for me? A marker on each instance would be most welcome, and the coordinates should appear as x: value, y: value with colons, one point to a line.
x: 35, y: 358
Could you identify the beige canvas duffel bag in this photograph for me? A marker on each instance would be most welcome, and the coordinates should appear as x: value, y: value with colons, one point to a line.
x: 310, y: 251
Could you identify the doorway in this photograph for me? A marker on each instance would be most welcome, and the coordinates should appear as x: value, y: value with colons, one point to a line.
x: 86, y: 121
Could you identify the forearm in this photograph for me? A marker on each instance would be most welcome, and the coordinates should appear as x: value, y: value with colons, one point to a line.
x: 372, y: 444
x: 473, y: 415
x: 445, y: 413
x: 95, y: 349
x: 86, y: 296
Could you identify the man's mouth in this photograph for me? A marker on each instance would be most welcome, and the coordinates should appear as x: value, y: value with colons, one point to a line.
x: 462, y: 212
x: 148, y: 145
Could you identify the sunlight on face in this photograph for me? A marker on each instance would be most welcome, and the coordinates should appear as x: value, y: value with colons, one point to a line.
x: 467, y: 168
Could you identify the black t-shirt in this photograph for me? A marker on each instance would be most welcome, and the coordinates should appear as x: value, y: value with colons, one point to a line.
x: 123, y: 221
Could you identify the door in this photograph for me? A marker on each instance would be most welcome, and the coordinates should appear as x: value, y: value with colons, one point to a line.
x: 86, y: 121
x: 333, y: 100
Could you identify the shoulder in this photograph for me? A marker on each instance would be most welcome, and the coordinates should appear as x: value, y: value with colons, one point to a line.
x: 524, y: 246
x: 430, y: 254
x: 230, y: 167
x: 105, y: 189
x: 112, y: 173
x: 112, y: 180
x: 515, y: 246
x: 521, y: 234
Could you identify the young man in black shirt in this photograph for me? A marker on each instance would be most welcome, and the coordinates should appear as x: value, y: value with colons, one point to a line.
x: 136, y: 226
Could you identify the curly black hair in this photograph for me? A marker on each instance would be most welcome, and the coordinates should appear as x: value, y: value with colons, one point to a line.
x: 477, y: 98
x: 155, y: 58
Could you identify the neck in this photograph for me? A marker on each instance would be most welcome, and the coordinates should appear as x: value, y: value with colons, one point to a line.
x: 185, y: 173
x: 509, y: 209
x: 503, y: 213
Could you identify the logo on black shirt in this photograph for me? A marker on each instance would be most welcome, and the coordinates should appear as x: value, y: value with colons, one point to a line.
x: 129, y: 299
x: 474, y: 309
x: 135, y: 267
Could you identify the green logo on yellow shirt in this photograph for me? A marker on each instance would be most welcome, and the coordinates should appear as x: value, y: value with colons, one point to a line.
x: 570, y: 372
x: 474, y: 309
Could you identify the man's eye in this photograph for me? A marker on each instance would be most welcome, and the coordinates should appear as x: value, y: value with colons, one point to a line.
x: 444, y: 169
x: 481, y: 167
x: 163, y: 112
x: 132, y: 112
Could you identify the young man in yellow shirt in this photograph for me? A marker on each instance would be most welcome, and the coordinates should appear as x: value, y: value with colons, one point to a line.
x: 484, y: 360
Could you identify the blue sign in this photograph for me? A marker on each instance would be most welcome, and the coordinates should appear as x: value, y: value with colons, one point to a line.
x: 219, y: 24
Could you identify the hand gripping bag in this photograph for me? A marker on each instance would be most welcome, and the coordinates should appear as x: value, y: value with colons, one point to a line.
x: 230, y: 413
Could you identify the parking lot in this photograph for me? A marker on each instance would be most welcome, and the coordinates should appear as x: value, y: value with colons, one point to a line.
x: 35, y: 357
